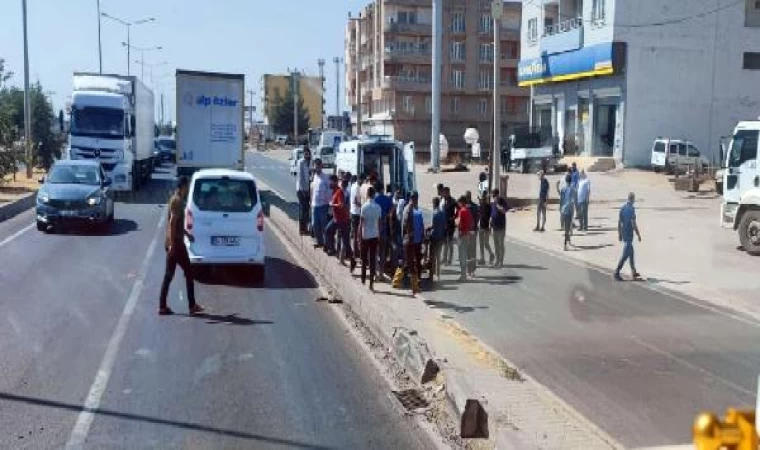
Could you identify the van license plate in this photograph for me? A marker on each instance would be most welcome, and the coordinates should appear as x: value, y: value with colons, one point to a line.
x: 225, y: 241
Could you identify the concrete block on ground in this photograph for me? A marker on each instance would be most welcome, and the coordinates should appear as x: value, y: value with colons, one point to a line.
x: 16, y: 207
x: 412, y: 352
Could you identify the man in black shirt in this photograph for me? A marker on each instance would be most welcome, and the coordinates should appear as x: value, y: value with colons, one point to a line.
x: 450, y: 207
x: 484, y: 229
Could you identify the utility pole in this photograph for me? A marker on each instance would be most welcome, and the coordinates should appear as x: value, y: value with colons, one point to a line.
x: 295, y: 81
x: 435, y: 140
x: 27, y: 102
x: 497, y: 11
x: 321, y: 63
x: 358, y: 72
x: 250, y: 112
x: 162, y: 109
x: 100, y: 45
x: 337, y: 62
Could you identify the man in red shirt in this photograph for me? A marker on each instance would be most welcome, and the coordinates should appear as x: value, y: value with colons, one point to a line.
x: 465, y: 225
x: 340, y: 222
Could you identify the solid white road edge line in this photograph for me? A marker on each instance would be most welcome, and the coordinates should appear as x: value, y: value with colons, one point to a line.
x: 16, y: 234
x: 92, y: 402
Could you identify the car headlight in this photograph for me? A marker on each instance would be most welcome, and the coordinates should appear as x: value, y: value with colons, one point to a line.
x: 92, y: 201
x: 43, y: 197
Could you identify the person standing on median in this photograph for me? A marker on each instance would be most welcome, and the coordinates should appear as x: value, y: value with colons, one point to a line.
x: 411, y: 249
x: 584, y: 197
x: 369, y: 234
x: 386, y: 204
x: 176, y: 252
x: 484, y: 229
x: 472, y: 245
x: 355, y: 208
x: 627, y: 226
x: 566, y: 207
x: 543, y: 199
x: 437, y: 238
x: 339, y: 223
x: 465, y: 224
x: 499, y: 210
x: 450, y: 207
x: 303, y: 184
x: 320, y: 202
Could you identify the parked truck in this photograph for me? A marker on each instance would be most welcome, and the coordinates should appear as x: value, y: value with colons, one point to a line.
x: 112, y: 121
x: 529, y: 148
x: 209, y: 121
x: 741, y: 186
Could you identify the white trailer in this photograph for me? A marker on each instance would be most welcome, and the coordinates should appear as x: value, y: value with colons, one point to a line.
x: 209, y: 121
x: 112, y: 121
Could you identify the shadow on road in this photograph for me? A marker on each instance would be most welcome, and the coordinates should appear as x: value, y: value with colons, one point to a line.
x: 523, y: 266
x: 159, y: 421
x: 156, y: 192
x: 229, y: 319
x: 578, y: 248
x: 453, y: 306
x: 118, y: 227
x: 272, y: 199
x: 280, y: 274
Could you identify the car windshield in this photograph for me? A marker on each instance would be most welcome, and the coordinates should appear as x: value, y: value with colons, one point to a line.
x: 743, y: 147
x: 659, y: 147
x: 97, y: 122
x: 168, y: 143
x: 224, y: 195
x: 74, y: 174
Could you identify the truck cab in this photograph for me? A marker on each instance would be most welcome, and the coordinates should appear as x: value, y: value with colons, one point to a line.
x: 741, y: 186
x: 393, y: 161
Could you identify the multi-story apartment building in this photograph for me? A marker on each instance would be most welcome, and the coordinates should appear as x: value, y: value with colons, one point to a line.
x: 389, y: 60
x: 309, y: 88
x: 610, y: 76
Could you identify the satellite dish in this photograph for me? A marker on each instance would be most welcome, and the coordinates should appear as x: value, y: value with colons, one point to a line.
x: 471, y: 136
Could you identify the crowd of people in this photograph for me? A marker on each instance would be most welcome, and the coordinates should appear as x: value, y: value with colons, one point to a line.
x: 360, y: 221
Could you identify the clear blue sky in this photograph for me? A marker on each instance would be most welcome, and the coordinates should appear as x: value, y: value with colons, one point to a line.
x: 252, y: 37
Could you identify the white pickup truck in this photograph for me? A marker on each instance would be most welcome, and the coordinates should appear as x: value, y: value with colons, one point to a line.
x: 741, y: 186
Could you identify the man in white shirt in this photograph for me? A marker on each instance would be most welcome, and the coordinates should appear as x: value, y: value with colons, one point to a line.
x: 584, y: 196
x: 369, y: 230
x: 320, y: 202
x: 303, y: 181
x: 356, y: 207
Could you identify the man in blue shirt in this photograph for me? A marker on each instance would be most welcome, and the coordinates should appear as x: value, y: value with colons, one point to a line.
x: 626, y: 227
x: 543, y: 198
x: 385, y: 203
x: 437, y: 238
x: 567, y: 207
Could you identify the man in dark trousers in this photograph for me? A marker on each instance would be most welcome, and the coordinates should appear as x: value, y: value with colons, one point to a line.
x: 303, y: 183
x: 450, y: 208
x: 543, y: 198
x: 176, y: 253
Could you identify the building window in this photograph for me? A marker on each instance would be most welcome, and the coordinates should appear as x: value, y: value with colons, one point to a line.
x: 409, y: 17
x: 429, y: 104
x: 458, y: 51
x: 455, y: 104
x: 457, y: 79
x: 486, y: 24
x: 751, y: 61
x: 533, y: 30
x: 597, y: 10
x: 752, y: 13
x: 457, y: 22
x: 486, y: 52
x: 408, y: 104
x: 486, y: 80
x: 509, y: 50
x: 483, y: 107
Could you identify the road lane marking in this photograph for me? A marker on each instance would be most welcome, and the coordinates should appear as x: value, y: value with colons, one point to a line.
x: 16, y: 234
x: 92, y: 403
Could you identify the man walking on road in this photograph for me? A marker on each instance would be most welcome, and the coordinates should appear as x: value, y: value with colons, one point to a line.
x: 627, y: 226
x: 584, y: 196
x: 176, y: 253
x: 566, y: 207
x: 369, y: 233
x: 303, y: 182
x: 484, y: 229
x: 543, y: 198
x: 437, y: 238
x: 472, y: 245
x: 499, y: 210
x: 465, y: 225
x: 320, y: 202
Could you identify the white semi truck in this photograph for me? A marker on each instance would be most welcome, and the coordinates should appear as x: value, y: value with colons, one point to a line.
x: 209, y: 121
x: 112, y: 121
x: 741, y: 186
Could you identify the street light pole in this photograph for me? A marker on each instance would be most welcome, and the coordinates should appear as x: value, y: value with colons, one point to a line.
x: 321, y: 63
x: 336, y: 60
x: 497, y: 11
x: 127, y: 24
x: 435, y: 139
x: 27, y: 102
x: 250, y: 112
x: 100, y: 45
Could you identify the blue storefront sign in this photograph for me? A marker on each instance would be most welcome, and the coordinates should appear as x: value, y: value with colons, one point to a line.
x: 585, y: 62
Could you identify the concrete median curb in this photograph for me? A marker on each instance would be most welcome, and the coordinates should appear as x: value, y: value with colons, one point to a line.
x: 16, y: 207
x: 474, y: 386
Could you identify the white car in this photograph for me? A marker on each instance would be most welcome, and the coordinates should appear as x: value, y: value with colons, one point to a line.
x: 225, y: 218
x: 295, y: 157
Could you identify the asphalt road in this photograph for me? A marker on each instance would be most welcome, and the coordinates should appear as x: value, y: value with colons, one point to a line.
x: 638, y: 362
x: 266, y: 367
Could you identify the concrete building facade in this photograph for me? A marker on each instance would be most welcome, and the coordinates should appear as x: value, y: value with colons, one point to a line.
x: 388, y: 56
x: 309, y: 88
x: 610, y: 76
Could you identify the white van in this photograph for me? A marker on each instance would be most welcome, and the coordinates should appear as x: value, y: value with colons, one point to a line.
x: 393, y: 161
x: 668, y: 154
x: 225, y: 218
x: 295, y: 156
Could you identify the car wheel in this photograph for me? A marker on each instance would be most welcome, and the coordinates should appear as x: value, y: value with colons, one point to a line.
x: 42, y: 226
x: 656, y: 169
x: 749, y: 232
x: 719, y: 188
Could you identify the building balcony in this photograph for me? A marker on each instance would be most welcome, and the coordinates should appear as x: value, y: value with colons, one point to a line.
x: 513, y: 90
x: 416, y: 56
x: 562, y: 37
x: 508, y: 63
x: 413, y: 29
x: 408, y: 84
x: 426, y: 3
